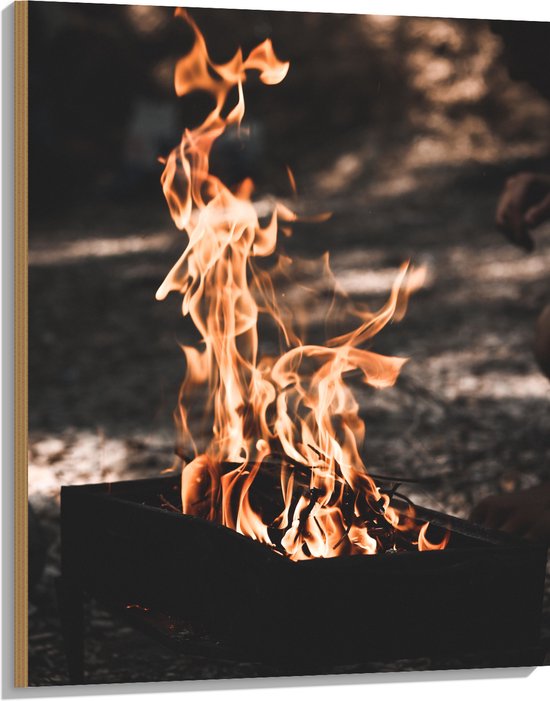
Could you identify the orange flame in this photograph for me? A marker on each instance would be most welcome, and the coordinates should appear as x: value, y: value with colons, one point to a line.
x: 282, y: 465
x: 424, y: 544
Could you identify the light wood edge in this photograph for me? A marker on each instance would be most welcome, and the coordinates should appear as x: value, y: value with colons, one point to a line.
x: 21, y: 11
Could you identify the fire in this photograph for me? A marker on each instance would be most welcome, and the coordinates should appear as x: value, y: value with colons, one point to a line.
x: 282, y: 465
x: 425, y: 544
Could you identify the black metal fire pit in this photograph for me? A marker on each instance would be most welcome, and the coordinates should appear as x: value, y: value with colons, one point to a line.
x: 121, y: 544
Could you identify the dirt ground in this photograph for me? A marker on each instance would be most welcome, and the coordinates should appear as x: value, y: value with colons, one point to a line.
x: 471, y: 409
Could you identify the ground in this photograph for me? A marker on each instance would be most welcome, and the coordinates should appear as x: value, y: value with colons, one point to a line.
x: 471, y: 410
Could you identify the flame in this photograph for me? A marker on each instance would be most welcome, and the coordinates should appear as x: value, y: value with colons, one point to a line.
x: 424, y: 544
x: 282, y: 465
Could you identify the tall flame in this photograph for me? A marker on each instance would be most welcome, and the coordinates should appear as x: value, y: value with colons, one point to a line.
x: 282, y: 465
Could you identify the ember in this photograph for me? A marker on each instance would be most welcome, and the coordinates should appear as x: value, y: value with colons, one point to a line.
x: 289, y: 425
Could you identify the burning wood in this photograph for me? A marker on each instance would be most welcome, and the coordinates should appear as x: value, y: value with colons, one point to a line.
x: 297, y: 405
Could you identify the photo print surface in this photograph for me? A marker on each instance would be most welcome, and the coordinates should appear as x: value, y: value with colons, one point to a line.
x: 289, y: 343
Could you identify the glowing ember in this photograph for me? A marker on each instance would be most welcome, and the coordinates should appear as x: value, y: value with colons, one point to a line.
x: 282, y: 465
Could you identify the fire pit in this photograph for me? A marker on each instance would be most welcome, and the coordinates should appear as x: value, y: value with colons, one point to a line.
x: 123, y: 544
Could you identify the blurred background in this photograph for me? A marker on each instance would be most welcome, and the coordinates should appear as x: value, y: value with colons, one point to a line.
x: 404, y: 128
